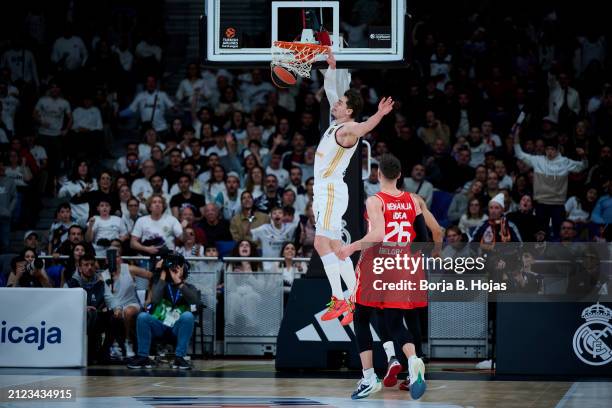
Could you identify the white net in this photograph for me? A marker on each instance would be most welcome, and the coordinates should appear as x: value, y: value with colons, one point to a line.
x: 296, y: 57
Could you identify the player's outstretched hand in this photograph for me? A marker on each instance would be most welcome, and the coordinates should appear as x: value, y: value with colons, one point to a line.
x: 385, y: 105
x: 331, y: 60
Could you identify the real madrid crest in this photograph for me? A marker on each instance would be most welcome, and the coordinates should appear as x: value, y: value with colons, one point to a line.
x: 346, y: 236
x: 593, y: 340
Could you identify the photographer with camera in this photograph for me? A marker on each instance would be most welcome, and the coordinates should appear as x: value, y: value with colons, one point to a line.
x: 169, y: 311
x: 28, y: 271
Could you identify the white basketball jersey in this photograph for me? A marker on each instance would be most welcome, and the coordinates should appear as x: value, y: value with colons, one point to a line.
x: 331, y: 159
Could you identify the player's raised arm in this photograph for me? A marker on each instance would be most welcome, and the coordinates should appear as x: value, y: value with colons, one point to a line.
x: 337, y: 81
x: 360, y: 129
x: 376, y: 233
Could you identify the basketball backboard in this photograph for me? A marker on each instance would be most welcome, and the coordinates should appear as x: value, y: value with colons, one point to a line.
x: 362, y: 32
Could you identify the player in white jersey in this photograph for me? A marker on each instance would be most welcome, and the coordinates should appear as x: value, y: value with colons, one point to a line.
x: 333, y: 155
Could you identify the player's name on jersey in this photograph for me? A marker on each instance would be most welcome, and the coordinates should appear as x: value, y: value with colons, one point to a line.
x: 441, y: 286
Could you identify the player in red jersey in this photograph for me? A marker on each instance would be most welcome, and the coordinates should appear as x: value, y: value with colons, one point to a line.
x: 393, y: 216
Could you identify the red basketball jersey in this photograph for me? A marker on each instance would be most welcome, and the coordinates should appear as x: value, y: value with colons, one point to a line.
x: 399, y: 213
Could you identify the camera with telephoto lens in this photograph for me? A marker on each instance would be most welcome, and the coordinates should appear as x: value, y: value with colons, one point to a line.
x: 170, y: 261
x: 38, y: 264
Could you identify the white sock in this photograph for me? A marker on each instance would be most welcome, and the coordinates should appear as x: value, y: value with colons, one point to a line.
x: 389, y: 349
x: 369, y: 374
x: 332, y: 270
x: 347, y: 271
x: 411, y: 361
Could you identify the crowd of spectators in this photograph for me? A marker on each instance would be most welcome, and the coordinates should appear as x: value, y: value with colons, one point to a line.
x: 223, y: 164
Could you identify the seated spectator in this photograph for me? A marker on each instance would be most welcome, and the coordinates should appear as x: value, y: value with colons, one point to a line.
x: 229, y: 199
x: 215, y: 185
x: 72, y: 264
x: 196, y: 187
x: 417, y: 184
x: 490, y: 138
x: 196, y: 156
x: 524, y: 218
x: 120, y: 297
x: 58, y: 233
x: 305, y: 232
x: 505, y: 181
x: 254, y: 182
x: 456, y: 171
x: 459, y: 205
x: 478, y: 147
x: 248, y: 219
x: 473, y: 217
x: 21, y: 175
x: 186, y: 197
x: 156, y: 231
x: 141, y: 187
x: 274, y: 167
x: 174, y: 170
x: 79, y: 183
x: 271, y: 197
x: 602, y: 213
x: 104, y: 228
x: 215, y: 227
x: 295, y: 180
x: 492, y: 186
x: 308, y: 166
x: 295, y: 157
x: 457, y: 246
x: 220, y: 147
x: 588, y: 279
x: 28, y: 271
x: 150, y: 141
x: 433, y: 129
x: 103, y: 193
x: 30, y: 241
x: 290, y: 269
x: 120, y: 165
x: 289, y: 199
x: 76, y: 235
x: 98, y: 316
x: 187, y: 219
x: 496, y: 228
x: 270, y: 237
x: 193, y: 92
x: 244, y: 249
x: 517, y: 279
x: 171, y: 299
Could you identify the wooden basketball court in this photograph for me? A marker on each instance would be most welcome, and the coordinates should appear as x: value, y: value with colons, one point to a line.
x: 255, y: 383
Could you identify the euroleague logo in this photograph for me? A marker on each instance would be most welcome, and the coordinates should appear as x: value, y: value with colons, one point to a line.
x: 230, y: 32
x: 593, y: 340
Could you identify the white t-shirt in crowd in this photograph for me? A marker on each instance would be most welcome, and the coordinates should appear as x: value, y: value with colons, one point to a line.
x: 146, y: 50
x: 217, y: 150
x: 281, y: 174
x: 89, y: 119
x: 22, y: 65
x: 142, y: 185
x: 52, y: 112
x: 126, y: 58
x: 144, y: 103
x: 39, y: 153
x: 163, y: 230
x: 9, y: 108
x: 72, y: 50
x: 144, y: 150
x: 111, y: 228
x: 271, y: 239
x: 187, y: 89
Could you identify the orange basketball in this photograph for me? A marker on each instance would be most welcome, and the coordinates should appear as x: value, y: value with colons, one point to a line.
x: 282, y: 77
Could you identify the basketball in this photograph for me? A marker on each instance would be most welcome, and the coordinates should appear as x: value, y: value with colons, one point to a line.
x: 282, y: 77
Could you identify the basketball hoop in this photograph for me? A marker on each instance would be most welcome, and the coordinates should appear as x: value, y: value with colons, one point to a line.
x: 296, y: 57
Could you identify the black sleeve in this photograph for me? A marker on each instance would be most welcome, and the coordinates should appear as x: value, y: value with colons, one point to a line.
x: 420, y: 228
